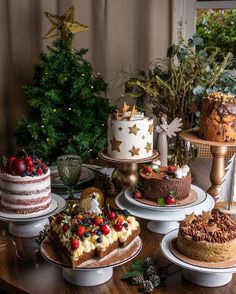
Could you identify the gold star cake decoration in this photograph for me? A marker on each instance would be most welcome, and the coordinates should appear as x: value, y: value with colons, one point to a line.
x: 190, y: 218
x: 206, y: 215
x: 148, y: 147
x: 115, y: 144
x: 134, y: 151
x: 64, y: 25
x: 133, y: 130
x: 125, y: 107
x: 212, y: 229
x: 150, y: 129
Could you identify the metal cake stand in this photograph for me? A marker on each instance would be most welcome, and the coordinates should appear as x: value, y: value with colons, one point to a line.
x: 218, y: 151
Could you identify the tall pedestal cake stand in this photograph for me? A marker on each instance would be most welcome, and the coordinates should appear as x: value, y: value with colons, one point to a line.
x: 164, y: 219
x: 29, y: 225
x: 126, y: 170
x: 218, y: 151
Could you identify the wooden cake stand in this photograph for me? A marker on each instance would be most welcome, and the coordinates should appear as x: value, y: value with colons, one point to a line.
x: 218, y: 151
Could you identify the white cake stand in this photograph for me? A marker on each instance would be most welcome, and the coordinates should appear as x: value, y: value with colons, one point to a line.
x: 90, y: 273
x: 162, y: 221
x: 29, y: 225
x: 202, y: 276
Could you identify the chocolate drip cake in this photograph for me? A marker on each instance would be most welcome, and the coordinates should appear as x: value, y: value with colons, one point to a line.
x: 218, y: 118
x: 208, y: 237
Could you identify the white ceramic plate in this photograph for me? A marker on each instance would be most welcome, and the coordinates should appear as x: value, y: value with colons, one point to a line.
x: 58, y: 204
x: 86, y: 175
x: 200, y: 198
x: 155, y: 215
x: 165, y: 247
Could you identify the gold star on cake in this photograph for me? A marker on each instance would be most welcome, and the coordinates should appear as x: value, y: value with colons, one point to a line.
x: 125, y: 107
x: 134, y: 151
x: 115, y: 144
x: 206, y: 215
x: 133, y: 111
x: 150, y: 129
x: 190, y: 218
x: 133, y: 130
x: 212, y: 229
x: 64, y: 25
x: 143, y: 137
x: 120, y: 129
x: 148, y: 147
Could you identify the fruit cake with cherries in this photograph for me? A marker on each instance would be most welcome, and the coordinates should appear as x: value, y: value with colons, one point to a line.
x: 86, y: 235
x: 25, y: 185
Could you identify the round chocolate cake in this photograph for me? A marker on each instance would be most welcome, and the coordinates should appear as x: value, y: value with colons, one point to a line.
x: 162, y: 183
x: 218, y: 118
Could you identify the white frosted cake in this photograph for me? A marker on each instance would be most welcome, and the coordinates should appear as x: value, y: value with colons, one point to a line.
x: 28, y: 192
x: 130, y: 135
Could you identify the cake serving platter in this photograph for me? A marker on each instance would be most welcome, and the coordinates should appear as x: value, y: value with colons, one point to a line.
x: 163, y: 222
x: 29, y: 225
x: 201, y: 197
x: 93, y: 271
x: 199, y: 275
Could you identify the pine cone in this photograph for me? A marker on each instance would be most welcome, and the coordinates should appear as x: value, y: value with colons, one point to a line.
x: 151, y: 270
x: 147, y: 286
x: 137, y: 279
x: 106, y: 185
x: 155, y: 279
x: 148, y: 261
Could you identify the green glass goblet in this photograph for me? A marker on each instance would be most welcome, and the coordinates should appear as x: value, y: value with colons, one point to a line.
x: 69, y: 169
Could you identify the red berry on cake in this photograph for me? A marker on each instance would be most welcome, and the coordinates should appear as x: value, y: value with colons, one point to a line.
x: 120, y: 219
x: 147, y: 169
x: 66, y: 227
x: 74, y: 244
x: 111, y: 215
x: 169, y: 200
x: 39, y: 172
x: 80, y: 231
x: 104, y: 230
x: 17, y: 166
x: 11, y: 158
x: 171, y: 168
x: 29, y: 162
x: 118, y: 227
x: 138, y: 195
x: 97, y: 220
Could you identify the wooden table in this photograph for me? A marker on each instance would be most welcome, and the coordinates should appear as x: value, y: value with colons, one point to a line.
x: 38, y: 276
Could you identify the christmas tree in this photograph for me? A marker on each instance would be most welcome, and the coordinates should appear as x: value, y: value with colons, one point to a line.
x: 68, y: 109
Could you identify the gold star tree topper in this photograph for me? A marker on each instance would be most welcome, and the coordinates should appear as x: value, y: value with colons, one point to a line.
x: 64, y: 25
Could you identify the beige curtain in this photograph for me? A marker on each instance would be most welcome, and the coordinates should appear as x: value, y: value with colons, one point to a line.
x: 124, y: 35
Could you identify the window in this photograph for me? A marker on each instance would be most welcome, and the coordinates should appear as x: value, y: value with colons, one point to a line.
x: 184, y: 15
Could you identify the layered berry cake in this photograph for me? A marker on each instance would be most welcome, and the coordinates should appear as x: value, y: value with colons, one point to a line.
x: 83, y: 236
x: 208, y: 237
x: 130, y: 134
x: 25, y: 185
x: 164, y: 185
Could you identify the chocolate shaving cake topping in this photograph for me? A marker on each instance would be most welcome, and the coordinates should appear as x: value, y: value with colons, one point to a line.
x: 218, y: 229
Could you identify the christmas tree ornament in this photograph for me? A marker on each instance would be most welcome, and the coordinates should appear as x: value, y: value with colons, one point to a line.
x: 64, y: 26
x: 91, y: 192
